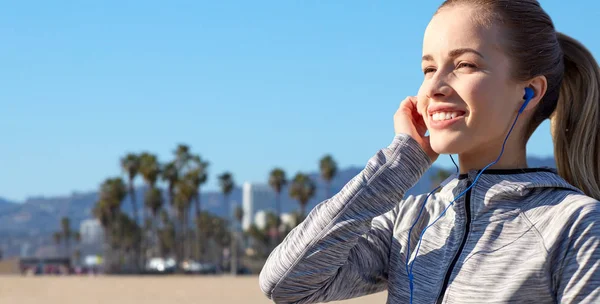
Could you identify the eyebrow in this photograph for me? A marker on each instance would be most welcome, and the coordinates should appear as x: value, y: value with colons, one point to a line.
x: 455, y: 53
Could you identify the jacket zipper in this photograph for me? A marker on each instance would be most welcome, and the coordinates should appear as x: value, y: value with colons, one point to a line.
x: 462, y: 244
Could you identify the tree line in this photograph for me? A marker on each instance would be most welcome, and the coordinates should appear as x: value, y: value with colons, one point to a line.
x: 170, y: 221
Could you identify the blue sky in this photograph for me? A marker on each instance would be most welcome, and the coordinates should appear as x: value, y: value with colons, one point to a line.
x: 84, y: 82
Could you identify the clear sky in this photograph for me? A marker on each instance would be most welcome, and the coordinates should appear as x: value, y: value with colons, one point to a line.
x: 247, y: 84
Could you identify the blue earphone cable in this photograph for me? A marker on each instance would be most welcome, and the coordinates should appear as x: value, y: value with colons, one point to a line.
x: 409, y: 270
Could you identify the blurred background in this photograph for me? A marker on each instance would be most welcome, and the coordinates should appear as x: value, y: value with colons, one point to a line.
x: 178, y: 143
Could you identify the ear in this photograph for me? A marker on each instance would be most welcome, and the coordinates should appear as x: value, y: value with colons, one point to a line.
x: 539, y: 85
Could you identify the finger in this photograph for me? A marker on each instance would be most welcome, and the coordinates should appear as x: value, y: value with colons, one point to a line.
x: 419, y: 105
x: 413, y: 99
x: 409, y: 103
x: 420, y: 125
x: 406, y: 101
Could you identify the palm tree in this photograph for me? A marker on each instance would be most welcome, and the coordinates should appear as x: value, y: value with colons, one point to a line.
x: 277, y: 180
x: 184, y: 193
x: 106, y: 210
x: 150, y: 170
x: 239, y: 216
x: 154, y: 202
x: 198, y: 176
x: 66, y: 234
x: 302, y: 189
x: 328, y: 168
x: 170, y: 174
x: 57, y: 236
x: 226, y: 183
x: 166, y: 235
x: 65, y: 225
x: 182, y: 157
x: 77, y: 256
x: 131, y: 165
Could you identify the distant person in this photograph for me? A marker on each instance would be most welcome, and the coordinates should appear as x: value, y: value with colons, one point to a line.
x: 504, y: 234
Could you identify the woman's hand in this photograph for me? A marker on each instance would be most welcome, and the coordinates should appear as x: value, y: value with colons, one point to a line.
x: 409, y: 121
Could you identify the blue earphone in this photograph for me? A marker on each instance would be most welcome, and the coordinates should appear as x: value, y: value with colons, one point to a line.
x: 409, y: 266
x: 528, y: 95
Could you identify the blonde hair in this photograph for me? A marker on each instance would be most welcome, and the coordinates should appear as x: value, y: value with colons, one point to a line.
x: 572, y: 100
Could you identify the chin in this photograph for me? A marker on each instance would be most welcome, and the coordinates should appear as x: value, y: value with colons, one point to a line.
x: 445, y: 144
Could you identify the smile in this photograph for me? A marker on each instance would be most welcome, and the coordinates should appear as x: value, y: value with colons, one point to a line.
x: 441, y: 116
x: 443, y: 119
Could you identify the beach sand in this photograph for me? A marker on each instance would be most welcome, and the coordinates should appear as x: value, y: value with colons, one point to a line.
x: 146, y: 290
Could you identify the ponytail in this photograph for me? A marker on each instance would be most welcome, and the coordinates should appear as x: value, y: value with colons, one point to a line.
x: 576, y: 119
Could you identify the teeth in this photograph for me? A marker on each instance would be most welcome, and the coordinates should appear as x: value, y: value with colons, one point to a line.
x: 439, y: 116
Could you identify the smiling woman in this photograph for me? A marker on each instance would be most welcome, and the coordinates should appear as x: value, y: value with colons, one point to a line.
x: 493, y: 71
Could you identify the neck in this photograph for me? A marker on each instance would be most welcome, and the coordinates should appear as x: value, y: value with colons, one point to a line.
x: 514, y: 156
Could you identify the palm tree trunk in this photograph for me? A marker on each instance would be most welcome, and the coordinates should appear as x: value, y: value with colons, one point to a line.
x: 67, y: 245
x: 143, y: 240
x: 198, y: 250
x: 133, y: 203
x: 228, y: 216
x: 137, y: 247
x: 179, y: 235
x: 302, y: 210
x: 234, y: 253
x: 109, y: 252
x: 184, y: 234
x: 171, y: 211
x: 228, y: 224
x: 278, y: 221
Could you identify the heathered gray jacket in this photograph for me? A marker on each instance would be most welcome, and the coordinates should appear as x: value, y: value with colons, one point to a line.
x: 518, y: 236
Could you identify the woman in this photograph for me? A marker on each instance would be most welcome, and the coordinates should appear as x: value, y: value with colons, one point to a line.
x: 509, y: 234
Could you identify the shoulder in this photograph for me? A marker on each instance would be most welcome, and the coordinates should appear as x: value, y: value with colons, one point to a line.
x: 560, y: 205
x: 562, y: 215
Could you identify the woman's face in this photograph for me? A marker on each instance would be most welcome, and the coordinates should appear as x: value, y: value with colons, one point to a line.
x: 468, y: 99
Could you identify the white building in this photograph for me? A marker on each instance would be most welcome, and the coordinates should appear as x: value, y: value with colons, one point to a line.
x: 260, y: 219
x: 255, y: 198
x: 91, y: 231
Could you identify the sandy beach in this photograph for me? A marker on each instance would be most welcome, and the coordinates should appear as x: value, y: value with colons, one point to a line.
x: 146, y: 290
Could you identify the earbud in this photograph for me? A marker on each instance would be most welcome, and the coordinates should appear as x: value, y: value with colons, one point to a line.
x: 528, y: 95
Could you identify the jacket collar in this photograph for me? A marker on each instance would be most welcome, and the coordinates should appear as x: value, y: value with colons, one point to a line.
x: 500, y: 190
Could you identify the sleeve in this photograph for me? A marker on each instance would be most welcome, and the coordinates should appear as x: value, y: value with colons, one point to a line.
x: 578, y: 275
x: 341, y: 250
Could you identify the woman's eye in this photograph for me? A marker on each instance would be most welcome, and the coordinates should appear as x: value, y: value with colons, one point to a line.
x: 466, y: 65
x: 428, y: 70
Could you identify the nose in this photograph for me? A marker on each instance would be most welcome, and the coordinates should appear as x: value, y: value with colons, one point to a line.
x: 437, y: 87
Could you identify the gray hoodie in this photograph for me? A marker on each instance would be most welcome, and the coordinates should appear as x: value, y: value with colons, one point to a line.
x: 519, y: 236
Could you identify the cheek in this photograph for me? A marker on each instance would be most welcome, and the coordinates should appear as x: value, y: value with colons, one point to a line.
x: 481, y: 96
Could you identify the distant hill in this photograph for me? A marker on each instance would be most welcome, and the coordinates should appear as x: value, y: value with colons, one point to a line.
x: 41, y: 215
x: 5, y: 202
x: 6, y: 205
